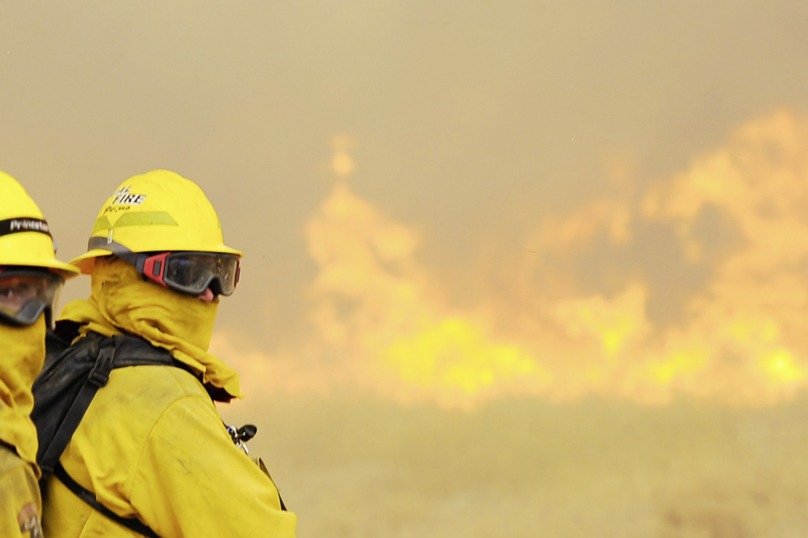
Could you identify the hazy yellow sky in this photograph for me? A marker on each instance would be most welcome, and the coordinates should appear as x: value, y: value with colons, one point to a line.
x: 452, y: 200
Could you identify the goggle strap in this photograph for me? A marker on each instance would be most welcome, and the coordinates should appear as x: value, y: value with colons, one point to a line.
x: 132, y: 258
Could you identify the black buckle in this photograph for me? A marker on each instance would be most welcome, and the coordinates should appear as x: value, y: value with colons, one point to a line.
x: 99, y: 375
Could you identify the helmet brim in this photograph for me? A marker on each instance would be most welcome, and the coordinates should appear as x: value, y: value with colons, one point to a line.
x: 55, y: 266
x: 63, y: 269
x: 86, y: 261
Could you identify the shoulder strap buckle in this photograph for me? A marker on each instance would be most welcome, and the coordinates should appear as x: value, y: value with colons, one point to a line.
x: 99, y: 375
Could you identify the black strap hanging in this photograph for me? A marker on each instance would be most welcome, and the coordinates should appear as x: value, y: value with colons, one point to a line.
x: 89, y: 498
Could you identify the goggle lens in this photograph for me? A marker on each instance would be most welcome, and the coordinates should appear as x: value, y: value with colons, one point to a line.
x: 193, y: 272
x: 25, y: 295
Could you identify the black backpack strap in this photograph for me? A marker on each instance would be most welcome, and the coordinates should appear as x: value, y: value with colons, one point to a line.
x: 135, y: 351
x: 116, y: 352
x: 89, y: 498
x: 99, y: 376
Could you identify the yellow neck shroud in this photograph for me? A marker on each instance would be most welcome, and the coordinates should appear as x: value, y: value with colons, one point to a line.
x: 123, y: 302
x: 22, y: 353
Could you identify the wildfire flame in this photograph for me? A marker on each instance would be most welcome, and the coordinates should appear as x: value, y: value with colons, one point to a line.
x: 570, y: 313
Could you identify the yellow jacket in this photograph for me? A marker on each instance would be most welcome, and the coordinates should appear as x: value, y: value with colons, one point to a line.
x: 164, y: 456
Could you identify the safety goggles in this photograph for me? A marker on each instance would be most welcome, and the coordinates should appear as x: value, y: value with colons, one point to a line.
x: 25, y: 294
x: 189, y: 273
x: 192, y: 273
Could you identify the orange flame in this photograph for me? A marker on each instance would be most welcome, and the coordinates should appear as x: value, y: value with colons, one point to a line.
x: 382, y: 321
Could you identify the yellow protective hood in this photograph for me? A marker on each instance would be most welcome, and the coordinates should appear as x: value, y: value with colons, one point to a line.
x: 123, y: 302
x: 22, y: 353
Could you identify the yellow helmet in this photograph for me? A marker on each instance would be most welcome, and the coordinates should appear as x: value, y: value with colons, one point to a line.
x: 157, y: 211
x: 25, y: 238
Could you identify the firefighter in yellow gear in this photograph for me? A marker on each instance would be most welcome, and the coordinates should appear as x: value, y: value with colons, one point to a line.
x: 30, y: 277
x: 151, y: 446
